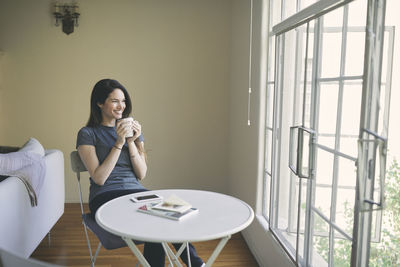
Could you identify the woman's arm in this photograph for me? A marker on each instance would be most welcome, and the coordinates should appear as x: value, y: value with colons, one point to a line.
x: 100, y: 172
x: 138, y: 159
x: 136, y: 151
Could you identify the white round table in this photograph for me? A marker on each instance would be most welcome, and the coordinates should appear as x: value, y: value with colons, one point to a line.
x: 219, y: 217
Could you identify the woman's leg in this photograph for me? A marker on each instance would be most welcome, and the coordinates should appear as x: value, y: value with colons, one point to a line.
x: 154, y: 254
x: 107, y: 196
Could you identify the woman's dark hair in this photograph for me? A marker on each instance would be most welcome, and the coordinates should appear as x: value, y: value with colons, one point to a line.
x: 100, y: 92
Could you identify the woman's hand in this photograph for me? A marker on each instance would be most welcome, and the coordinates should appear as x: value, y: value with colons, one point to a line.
x: 137, y: 131
x: 123, y: 128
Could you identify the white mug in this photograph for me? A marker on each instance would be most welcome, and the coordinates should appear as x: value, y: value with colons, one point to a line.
x: 130, y: 119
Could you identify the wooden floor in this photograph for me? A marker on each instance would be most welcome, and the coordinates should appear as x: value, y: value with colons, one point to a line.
x: 68, y: 247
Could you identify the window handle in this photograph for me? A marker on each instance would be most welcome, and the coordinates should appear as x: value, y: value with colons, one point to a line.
x: 297, y: 154
x: 369, y: 173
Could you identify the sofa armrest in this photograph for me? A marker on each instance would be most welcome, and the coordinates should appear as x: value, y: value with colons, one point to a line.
x: 22, y: 226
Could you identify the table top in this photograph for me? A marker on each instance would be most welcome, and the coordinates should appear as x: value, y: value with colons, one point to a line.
x: 219, y: 216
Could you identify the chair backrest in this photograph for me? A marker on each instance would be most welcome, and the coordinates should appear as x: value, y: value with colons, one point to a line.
x: 76, y: 162
x: 77, y: 166
x: 108, y: 240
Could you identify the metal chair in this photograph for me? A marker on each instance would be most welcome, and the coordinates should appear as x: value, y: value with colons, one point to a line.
x: 107, y: 239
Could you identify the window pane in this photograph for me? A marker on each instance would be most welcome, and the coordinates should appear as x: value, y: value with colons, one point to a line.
x: 271, y: 61
x: 290, y: 8
x: 331, y: 55
x: 267, y: 194
x: 357, y: 14
x: 300, y: 215
x: 383, y: 123
x: 328, y: 103
x: 276, y: 9
x: 302, y: 104
x: 351, y: 107
x: 320, y: 255
x: 334, y: 19
x: 387, y: 54
x: 268, y: 151
x: 355, y: 51
x: 345, y: 210
x: 323, y: 188
x: 342, y: 251
x: 269, y: 105
x: 347, y: 174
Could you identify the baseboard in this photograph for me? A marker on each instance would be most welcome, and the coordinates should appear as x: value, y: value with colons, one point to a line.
x: 265, y: 249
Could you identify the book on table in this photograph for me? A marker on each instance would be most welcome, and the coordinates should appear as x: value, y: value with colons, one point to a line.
x: 172, y: 207
x: 174, y: 215
x: 173, y: 203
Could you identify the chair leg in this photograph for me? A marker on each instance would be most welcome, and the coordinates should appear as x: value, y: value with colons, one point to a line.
x: 87, y: 239
x: 92, y: 257
x: 95, y: 254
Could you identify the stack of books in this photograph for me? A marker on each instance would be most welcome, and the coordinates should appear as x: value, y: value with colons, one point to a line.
x: 172, y: 207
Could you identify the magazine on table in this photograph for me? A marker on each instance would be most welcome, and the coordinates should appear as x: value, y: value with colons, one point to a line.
x: 174, y: 215
x: 173, y: 203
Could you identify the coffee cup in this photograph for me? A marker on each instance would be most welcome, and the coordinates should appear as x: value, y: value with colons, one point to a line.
x: 130, y: 120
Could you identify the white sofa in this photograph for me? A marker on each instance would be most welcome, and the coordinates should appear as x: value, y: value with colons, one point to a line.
x: 22, y: 227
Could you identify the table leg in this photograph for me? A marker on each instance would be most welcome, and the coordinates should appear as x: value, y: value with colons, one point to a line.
x: 165, y: 247
x: 188, y: 254
x: 217, y: 250
x: 136, y: 251
x: 170, y: 253
x: 181, y: 249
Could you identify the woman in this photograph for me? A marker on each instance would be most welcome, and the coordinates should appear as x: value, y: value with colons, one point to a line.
x: 116, y: 163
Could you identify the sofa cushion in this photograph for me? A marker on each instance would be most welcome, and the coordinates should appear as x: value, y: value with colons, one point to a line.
x: 33, y: 145
x: 4, y: 150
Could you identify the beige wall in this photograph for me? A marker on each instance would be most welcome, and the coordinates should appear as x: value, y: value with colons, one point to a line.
x: 173, y: 56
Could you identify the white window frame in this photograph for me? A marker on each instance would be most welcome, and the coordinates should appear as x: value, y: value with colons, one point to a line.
x: 270, y: 185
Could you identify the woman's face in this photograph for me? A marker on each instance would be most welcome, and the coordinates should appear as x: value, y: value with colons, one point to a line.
x: 114, y: 106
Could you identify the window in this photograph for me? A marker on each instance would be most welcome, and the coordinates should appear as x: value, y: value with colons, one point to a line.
x: 326, y: 128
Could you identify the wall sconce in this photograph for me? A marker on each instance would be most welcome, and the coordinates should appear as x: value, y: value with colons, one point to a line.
x: 68, y: 14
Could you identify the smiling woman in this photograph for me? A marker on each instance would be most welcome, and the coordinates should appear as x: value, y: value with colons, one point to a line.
x: 112, y: 151
x: 113, y: 107
x: 104, y: 91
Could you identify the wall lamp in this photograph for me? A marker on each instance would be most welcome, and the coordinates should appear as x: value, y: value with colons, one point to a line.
x: 68, y: 14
